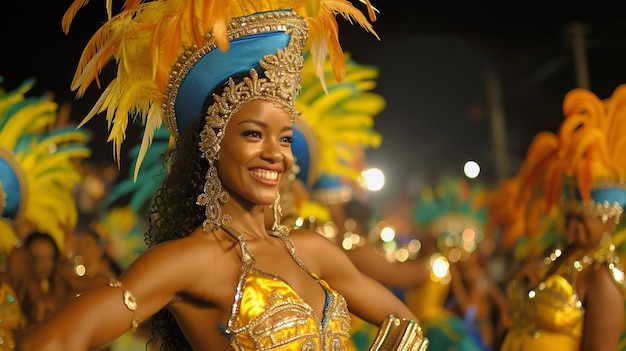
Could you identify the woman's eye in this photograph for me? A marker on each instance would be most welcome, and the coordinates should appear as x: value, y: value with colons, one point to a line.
x: 252, y: 133
x: 287, y: 139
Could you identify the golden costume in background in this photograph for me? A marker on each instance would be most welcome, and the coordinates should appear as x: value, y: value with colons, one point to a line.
x: 10, y: 317
x: 551, y: 316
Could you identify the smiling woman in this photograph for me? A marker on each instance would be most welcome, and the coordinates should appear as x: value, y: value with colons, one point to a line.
x: 213, y: 277
x: 256, y: 152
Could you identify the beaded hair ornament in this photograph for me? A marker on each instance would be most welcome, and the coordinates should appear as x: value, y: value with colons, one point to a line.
x: 172, y: 54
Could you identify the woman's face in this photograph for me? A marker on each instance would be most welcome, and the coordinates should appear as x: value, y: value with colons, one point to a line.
x: 88, y: 246
x: 255, y: 154
x: 585, y: 230
x: 44, y: 260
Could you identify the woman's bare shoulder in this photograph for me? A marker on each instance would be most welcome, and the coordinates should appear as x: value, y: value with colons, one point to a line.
x: 196, y: 249
x: 187, y: 265
x: 308, y: 237
x: 316, y: 250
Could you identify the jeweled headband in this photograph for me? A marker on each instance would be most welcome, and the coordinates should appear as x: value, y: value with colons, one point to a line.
x: 606, y: 201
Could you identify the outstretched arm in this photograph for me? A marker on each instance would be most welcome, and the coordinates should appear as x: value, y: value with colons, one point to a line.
x: 409, y: 274
x: 102, y: 314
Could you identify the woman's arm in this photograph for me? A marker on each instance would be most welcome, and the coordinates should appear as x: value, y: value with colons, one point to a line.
x: 408, y: 274
x: 459, y: 290
x: 604, y: 305
x: 101, y: 314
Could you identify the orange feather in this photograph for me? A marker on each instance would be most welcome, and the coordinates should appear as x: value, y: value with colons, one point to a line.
x: 70, y: 13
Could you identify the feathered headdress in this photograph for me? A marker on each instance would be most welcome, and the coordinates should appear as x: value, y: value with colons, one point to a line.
x: 336, y: 129
x: 522, y: 207
x: 453, y: 211
x: 582, y: 167
x: 585, y: 162
x: 37, y: 173
x: 593, y: 147
x: 160, y: 47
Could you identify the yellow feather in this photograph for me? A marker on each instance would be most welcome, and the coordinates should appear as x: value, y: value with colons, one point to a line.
x: 371, y: 11
x: 109, y: 8
x: 7, y: 100
x: 312, y: 7
x: 131, y: 4
x: 28, y: 119
x: 616, y: 127
x: 202, y: 13
x: 219, y: 24
x: 8, y: 237
x: 152, y: 125
x: 567, y: 129
x: 582, y: 143
x: 338, y: 93
x: 45, y: 156
x: 166, y: 45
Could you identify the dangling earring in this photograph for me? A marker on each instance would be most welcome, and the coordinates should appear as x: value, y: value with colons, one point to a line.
x: 278, y: 212
x: 210, y: 198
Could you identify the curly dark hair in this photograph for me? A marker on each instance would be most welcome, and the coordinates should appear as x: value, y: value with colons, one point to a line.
x: 175, y: 215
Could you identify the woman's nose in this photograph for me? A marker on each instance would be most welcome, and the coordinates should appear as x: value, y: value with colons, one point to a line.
x: 272, y: 151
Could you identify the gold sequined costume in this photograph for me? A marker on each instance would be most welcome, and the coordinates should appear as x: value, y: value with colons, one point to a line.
x: 10, y: 317
x: 269, y: 315
x: 551, y: 316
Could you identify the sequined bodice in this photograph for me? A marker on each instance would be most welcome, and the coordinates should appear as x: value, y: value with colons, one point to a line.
x: 267, y: 314
x: 555, y: 297
x: 551, y: 314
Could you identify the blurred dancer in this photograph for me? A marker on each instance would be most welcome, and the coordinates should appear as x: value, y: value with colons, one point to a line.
x: 575, y: 301
x: 450, y: 217
x: 37, y: 180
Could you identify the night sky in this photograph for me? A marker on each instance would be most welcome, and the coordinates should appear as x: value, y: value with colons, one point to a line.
x: 432, y: 62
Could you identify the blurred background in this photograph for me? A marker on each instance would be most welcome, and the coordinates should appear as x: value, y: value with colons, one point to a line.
x: 463, y: 80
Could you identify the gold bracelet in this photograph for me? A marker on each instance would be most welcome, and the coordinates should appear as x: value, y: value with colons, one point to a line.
x: 129, y: 300
x: 399, y: 334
